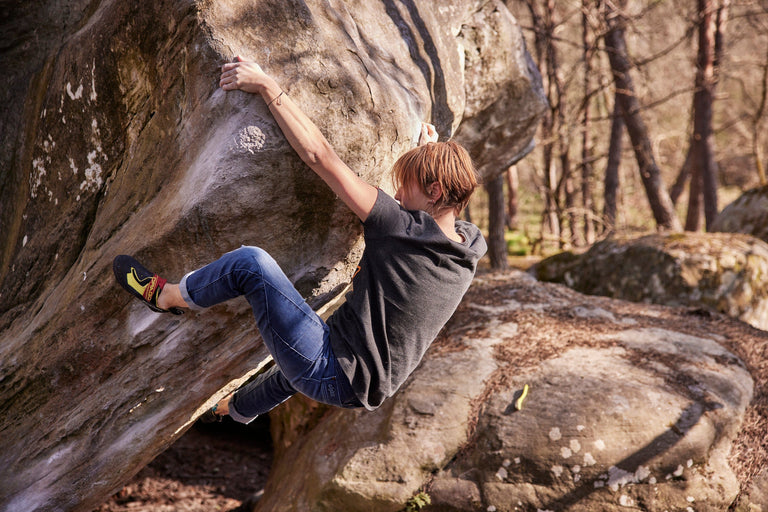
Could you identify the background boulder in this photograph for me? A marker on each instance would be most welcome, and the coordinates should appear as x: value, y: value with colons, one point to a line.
x: 630, y: 405
x: 116, y: 139
x: 717, y: 271
x: 747, y: 214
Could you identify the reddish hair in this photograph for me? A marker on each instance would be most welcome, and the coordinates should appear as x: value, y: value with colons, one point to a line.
x: 446, y: 163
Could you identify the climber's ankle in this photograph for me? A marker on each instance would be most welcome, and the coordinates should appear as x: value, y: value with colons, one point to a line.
x: 222, y: 407
x: 170, y: 296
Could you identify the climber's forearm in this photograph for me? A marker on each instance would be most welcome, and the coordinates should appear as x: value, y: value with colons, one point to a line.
x: 302, y: 133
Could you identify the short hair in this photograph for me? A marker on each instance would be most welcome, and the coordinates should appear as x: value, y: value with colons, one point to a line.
x: 447, y: 163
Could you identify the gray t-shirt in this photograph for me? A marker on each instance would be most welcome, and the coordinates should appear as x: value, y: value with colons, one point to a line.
x: 410, y: 280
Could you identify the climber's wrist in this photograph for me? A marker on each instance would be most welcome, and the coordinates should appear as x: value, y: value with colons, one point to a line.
x: 268, y: 88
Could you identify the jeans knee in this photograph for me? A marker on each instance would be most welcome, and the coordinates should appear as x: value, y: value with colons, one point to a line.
x: 251, y: 266
x: 248, y: 255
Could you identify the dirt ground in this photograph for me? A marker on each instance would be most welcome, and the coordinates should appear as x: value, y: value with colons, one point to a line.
x: 218, y: 467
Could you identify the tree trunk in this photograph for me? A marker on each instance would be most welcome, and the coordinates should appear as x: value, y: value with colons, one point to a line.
x: 682, y: 179
x: 544, y: 53
x: 658, y: 196
x: 570, y: 199
x: 704, y: 167
x: 693, y: 216
x: 586, y: 149
x: 513, y: 183
x: 497, y: 245
x: 540, y: 41
x: 612, y: 168
x: 557, y: 100
x: 551, y: 216
x: 757, y: 122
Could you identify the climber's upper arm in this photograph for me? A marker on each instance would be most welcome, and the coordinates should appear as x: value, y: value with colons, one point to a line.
x: 358, y: 195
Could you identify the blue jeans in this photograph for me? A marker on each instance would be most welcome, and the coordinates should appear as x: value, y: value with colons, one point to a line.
x: 294, y: 334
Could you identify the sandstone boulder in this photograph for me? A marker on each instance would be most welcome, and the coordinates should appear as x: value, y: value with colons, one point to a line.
x: 631, y: 406
x: 747, y: 214
x: 377, y: 460
x: 715, y: 271
x: 116, y: 139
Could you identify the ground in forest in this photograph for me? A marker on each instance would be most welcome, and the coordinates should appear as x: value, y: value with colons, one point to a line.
x: 211, y: 467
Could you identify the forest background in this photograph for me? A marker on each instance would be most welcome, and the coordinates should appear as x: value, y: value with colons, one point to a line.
x: 656, y: 121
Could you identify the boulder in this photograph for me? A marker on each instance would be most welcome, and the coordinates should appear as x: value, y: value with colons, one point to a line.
x: 116, y: 139
x: 747, y: 214
x: 713, y: 271
x: 629, y: 406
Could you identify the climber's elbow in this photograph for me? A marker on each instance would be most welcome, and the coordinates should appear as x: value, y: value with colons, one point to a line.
x: 320, y: 155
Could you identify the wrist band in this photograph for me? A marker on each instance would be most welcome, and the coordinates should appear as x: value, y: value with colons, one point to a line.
x: 275, y: 99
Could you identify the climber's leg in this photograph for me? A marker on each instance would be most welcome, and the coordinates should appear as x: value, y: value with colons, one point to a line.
x: 295, y: 335
x: 269, y: 389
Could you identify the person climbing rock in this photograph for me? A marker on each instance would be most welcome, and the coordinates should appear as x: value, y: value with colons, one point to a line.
x: 419, y: 260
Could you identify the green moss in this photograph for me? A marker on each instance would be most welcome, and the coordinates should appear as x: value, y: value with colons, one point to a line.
x: 417, y: 502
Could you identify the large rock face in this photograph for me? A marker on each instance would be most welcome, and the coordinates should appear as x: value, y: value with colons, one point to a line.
x: 719, y: 271
x: 116, y: 139
x: 631, y: 407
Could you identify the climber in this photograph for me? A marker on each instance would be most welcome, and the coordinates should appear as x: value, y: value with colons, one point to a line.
x: 418, y: 262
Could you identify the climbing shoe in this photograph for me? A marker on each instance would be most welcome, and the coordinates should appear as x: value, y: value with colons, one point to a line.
x: 140, y: 282
x: 211, y: 416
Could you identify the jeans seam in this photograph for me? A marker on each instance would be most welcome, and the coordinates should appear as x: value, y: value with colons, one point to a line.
x: 285, y: 344
x: 315, y: 319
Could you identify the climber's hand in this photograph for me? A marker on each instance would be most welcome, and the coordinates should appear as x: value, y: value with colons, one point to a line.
x: 428, y: 134
x: 242, y: 75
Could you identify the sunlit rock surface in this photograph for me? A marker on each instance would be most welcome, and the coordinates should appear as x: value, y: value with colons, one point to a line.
x: 747, y: 214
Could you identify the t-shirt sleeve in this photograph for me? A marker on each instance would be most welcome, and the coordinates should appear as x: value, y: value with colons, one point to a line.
x: 388, y: 217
